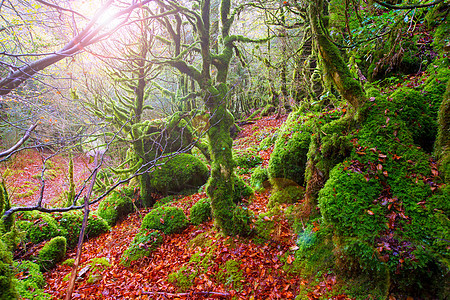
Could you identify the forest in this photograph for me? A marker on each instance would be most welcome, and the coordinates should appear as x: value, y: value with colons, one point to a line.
x: 225, y: 149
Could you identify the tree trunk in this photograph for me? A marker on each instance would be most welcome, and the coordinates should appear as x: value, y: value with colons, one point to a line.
x: 220, y: 184
x: 330, y: 57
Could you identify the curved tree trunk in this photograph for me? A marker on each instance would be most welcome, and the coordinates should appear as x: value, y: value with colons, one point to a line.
x: 330, y: 57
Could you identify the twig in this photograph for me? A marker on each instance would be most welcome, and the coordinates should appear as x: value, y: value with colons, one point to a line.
x: 81, y: 237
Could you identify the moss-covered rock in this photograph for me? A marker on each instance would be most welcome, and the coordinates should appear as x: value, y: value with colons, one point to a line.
x: 31, y: 281
x: 39, y: 226
x: 72, y: 221
x: 383, y: 189
x: 246, y: 159
x: 200, y: 212
x: 289, y: 156
x: 241, y: 190
x: 52, y: 253
x: 286, y: 195
x: 168, y: 219
x: 259, y: 177
x: 117, y: 205
x: 180, y: 172
x: 7, y: 286
x: 143, y: 244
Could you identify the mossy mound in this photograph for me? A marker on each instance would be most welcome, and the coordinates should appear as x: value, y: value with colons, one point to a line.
x: 286, y: 195
x: 30, y: 287
x: 246, y: 159
x: 52, y: 253
x: 72, y: 221
x: 259, y: 177
x: 379, y: 203
x: 231, y: 275
x: 7, y: 286
x: 200, y: 212
x: 177, y: 173
x: 143, y: 244
x: 116, y: 205
x: 289, y: 156
x: 168, y: 219
x: 39, y: 226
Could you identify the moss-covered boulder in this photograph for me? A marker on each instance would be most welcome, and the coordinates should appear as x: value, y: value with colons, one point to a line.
x: 286, y: 195
x: 31, y: 281
x: 143, y: 244
x: 200, y: 212
x: 168, y: 219
x: 39, y: 226
x: 177, y: 173
x: 72, y: 221
x: 7, y: 286
x: 289, y: 156
x: 117, y: 205
x: 379, y: 202
x: 52, y: 253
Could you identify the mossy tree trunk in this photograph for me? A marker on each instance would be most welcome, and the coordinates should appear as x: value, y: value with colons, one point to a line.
x: 331, y: 59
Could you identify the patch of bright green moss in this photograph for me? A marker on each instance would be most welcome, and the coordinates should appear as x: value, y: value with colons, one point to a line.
x: 231, y: 275
x: 167, y: 219
x: 52, y: 252
x: 116, y: 205
x: 200, y: 212
x: 178, y: 173
x: 143, y: 244
x: 39, y: 227
x: 259, y: 177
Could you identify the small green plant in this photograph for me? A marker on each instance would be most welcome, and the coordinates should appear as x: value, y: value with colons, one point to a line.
x: 200, y: 212
x: 168, y: 219
x: 52, y: 252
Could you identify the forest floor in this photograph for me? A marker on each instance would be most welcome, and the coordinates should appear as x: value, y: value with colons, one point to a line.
x: 263, y: 268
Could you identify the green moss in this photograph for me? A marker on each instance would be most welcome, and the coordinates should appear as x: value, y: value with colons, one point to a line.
x: 143, y: 244
x: 183, y: 279
x: 72, y: 221
x: 178, y: 173
x: 68, y: 262
x: 200, y: 212
x: 52, y: 253
x: 32, y: 282
x: 259, y: 177
x: 167, y: 219
x: 7, y: 284
x: 241, y: 190
x: 231, y: 275
x: 287, y: 195
x: 98, y: 266
x: 241, y: 220
x: 39, y: 227
x: 246, y: 159
x: 288, y: 159
x: 418, y: 112
x: 117, y: 205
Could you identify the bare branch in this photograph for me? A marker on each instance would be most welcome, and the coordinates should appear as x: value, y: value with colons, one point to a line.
x: 20, y: 142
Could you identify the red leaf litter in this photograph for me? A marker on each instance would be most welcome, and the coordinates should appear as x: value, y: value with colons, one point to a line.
x: 263, y: 266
